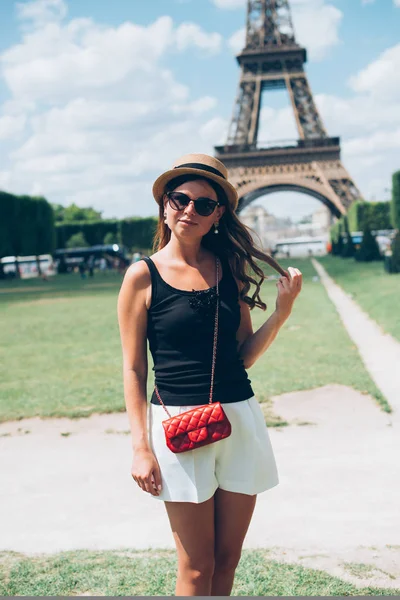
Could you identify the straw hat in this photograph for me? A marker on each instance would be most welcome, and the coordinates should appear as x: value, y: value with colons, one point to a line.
x: 197, y: 164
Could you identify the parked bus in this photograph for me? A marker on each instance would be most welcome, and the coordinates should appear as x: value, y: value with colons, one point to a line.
x: 28, y: 266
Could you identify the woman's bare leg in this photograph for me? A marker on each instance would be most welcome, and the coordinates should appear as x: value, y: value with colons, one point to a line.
x: 193, y: 529
x: 233, y: 513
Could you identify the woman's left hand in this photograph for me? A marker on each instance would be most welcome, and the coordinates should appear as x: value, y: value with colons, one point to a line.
x: 289, y: 288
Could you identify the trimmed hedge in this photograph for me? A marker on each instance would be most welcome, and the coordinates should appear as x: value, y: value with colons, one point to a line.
x: 369, y: 249
x: 134, y: 233
x: 137, y: 233
x: 375, y: 215
x: 26, y: 225
x: 395, y: 258
x: 349, y: 249
x: 94, y: 231
x: 395, y: 204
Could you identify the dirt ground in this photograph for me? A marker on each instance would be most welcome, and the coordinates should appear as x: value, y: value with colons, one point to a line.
x: 67, y: 484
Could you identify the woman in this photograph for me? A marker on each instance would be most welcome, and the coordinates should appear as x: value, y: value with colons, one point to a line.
x: 170, y: 298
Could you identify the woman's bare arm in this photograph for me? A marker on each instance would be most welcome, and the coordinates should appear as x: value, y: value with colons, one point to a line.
x: 253, y: 345
x: 132, y: 319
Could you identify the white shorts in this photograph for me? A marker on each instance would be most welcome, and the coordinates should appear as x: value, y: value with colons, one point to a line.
x: 244, y: 462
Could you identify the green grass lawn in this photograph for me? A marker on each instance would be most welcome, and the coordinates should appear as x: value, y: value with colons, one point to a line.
x: 312, y: 349
x: 152, y: 573
x: 377, y: 292
x: 61, y: 353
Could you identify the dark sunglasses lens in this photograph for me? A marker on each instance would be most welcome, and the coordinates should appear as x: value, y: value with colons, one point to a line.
x: 204, y: 206
x: 178, y: 201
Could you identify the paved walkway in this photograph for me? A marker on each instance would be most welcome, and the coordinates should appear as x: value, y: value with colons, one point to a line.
x: 66, y: 484
x: 379, y: 351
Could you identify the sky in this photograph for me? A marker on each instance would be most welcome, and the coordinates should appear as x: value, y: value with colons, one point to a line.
x: 98, y: 98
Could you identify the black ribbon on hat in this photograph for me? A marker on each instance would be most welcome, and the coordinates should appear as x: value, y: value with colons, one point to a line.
x: 202, y: 168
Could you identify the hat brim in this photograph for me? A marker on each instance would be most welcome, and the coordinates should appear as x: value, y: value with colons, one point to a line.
x: 162, y: 180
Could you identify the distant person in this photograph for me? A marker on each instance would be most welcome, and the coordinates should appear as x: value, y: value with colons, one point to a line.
x: 82, y: 270
x: 91, y: 265
x: 194, y: 280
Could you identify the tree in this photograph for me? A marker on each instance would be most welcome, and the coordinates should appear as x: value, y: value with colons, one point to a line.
x: 339, y: 245
x: 369, y: 249
x: 395, y: 204
x: 348, y: 249
x: 395, y: 258
x: 110, y: 238
x: 75, y: 213
x: 77, y: 241
x: 45, y: 231
x: 58, y: 211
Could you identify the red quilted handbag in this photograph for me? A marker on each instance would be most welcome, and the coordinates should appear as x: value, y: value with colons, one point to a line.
x: 201, y: 425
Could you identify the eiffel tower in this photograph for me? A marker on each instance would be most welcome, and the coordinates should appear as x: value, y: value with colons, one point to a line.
x: 273, y: 60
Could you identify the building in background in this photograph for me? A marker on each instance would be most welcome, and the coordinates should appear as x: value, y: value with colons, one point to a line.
x: 285, y: 236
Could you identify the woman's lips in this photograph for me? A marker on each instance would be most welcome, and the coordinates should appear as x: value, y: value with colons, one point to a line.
x: 187, y: 223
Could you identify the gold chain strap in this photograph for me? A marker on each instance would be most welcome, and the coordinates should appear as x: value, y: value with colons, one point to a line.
x: 214, y: 347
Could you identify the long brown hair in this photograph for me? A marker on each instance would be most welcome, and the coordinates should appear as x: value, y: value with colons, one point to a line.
x: 233, y: 242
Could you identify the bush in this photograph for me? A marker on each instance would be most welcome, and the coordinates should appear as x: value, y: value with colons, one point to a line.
x: 395, y: 204
x: 110, y: 238
x: 336, y: 238
x: 395, y: 258
x: 348, y: 249
x: 375, y: 215
x: 77, y: 240
x: 93, y: 231
x: 369, y: 249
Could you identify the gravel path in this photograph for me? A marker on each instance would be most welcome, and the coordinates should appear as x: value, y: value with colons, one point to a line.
x: 66, y: 484
x: 379, y: 350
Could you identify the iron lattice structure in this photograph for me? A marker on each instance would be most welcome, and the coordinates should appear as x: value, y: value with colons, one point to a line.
x: 270, y: 60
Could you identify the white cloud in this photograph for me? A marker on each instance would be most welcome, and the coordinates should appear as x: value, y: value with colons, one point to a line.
x: 57, y: 62
x: 39, y: 12
x: 11, y: 126
x: 214, y: 131
x: 229, y: 4
x: 237, y: 40
x: 378, y: 78
x: 190, y: 34
x: 395, y: 2
x: 277, y: 124
x: 372, y: 144
x: 317, y: 26
x: 93, y: 109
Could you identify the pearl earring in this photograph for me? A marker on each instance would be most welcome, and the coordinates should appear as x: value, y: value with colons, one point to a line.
x: 216, y: 227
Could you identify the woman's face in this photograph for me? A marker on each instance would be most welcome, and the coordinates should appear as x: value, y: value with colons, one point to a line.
x: 200, y: 225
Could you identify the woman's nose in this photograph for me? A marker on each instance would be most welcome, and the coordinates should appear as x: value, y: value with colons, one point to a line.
x: 190, y: 208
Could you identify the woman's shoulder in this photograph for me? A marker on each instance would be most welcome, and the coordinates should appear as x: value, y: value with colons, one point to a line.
x: 137, y: 279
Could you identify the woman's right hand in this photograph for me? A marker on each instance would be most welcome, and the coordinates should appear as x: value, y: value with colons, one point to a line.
x: 146, y: 471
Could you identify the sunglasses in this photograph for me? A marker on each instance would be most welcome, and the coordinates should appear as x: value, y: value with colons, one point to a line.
x: 204, y: 206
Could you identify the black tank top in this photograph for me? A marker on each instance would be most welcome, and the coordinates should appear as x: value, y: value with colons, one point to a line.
x: 180, y: 331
